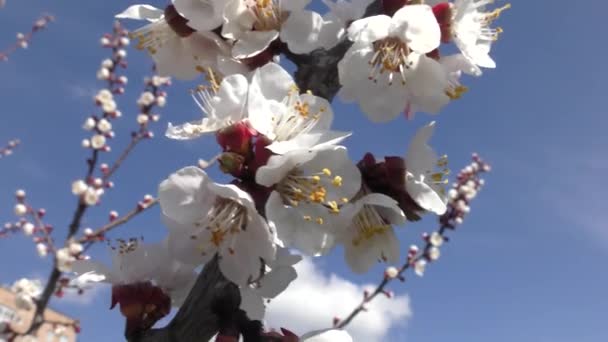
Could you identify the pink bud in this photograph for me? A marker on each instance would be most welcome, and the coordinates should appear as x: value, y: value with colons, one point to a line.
x: 113, y: 215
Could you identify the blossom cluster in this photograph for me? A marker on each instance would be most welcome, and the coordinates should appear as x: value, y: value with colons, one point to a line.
x: 293, y: 184
x: 395, y: 63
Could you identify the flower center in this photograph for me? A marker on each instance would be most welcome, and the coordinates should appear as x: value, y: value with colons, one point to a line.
x: 267, y: 14
x: 153, y: 36
x: 368, y: 223
x: 222, y: 224
x: 298, y: 188
x: 298, y: 119
x: 391, y: 56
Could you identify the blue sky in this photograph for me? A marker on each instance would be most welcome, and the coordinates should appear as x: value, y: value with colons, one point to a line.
x: 526, y: 266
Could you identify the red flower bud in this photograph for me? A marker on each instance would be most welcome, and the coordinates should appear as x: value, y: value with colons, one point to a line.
x: 443, y: 13
x: 236, y: 138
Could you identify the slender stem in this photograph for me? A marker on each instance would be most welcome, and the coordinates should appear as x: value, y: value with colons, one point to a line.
x: 23, y: 42
x: 89, y: 239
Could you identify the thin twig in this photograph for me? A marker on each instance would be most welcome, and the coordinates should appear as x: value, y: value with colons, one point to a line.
x: 90, y: 239
x: 23, y: 40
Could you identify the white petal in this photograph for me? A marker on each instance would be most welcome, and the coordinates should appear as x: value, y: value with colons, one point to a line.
x: 141, y: 12
x: 279, y: 166
x: 420, y: 156
x: 90, y: 271
x: 427, y: 87
x: 252, y: 249
x: 229, y: 103
x: 275, y: 282
x: 252, y: 43
x: 294, y: 231
x: 417, y: 25
x: 370, y: 29
x: 458, y: 62
x: 301, y: 31
x: 272, y: 82
x: 309, y: 140
x: 426, y: 197
x: 183, y: 196
x: 331, y: 33
x: 182, y: 247
x: 386, y: 206
x: 201, y: 15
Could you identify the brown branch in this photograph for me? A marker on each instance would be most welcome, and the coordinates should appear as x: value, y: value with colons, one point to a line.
x: 198, y: 319
x: 318, y: 71
x: 99, y: 233
x: 23, y: 40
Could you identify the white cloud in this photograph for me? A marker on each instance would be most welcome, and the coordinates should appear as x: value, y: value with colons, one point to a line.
x: 313, y: 299
x: 86, y: 298
x: 82, y: 91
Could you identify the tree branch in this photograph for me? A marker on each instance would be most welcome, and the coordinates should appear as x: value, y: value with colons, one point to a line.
x: 318, y: 71
x: 199, y: 318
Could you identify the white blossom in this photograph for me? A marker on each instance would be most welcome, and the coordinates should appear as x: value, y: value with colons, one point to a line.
x: 28, y: 228
x: 289, y: 119
x: 368, y: 236
x: 42, y: 249
x: 420, y: 267
x: 98, y: 141
x: 280, y: 273
x: 423, y: 182
x: 436, y: 239
x: 386, y: 70
x: 79, y: 187
x: 221, y: 108
x: 310, y: 186
x: 340, y: 15
x: 134, y: 262
x: 104, y: 126
x: 65, y: 259
x: 205, y: 218
x: 182, y: 57
x: 255, y: 24
x: 20, y: 209
x: 469, y: 28
x: 434, y: 253
x: 202, y: 15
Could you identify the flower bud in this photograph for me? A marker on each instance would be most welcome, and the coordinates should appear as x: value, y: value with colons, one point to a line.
x: 232, y: 163
x: 20, y: 209
x: 235, y: 138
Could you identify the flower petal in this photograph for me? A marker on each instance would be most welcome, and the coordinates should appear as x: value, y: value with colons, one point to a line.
x: 141, y: 12
x: 252, y: 43
x: 417, y: 25
x: 367, y: 30
x: 183, y: 196
x: 301, y: 31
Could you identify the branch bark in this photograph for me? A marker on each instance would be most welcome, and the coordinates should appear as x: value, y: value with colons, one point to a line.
x: 198, y: 319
